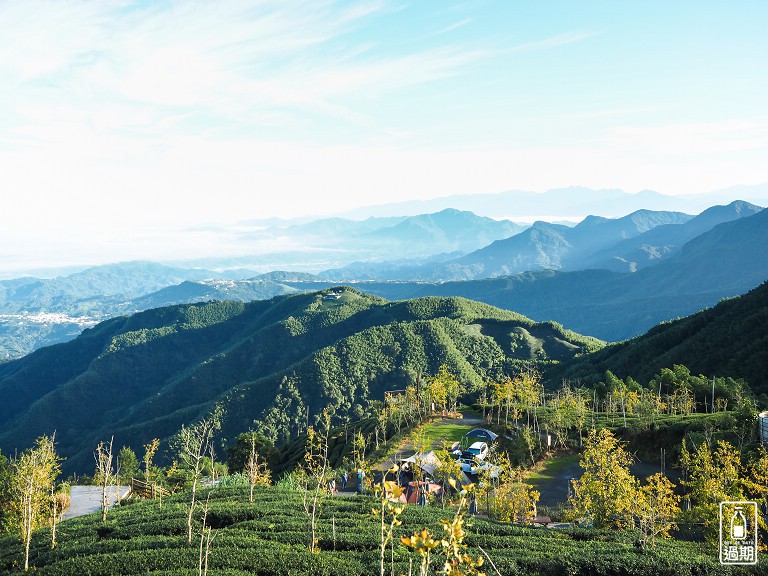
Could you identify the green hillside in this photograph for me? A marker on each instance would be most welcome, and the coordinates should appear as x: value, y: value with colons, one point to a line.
x: 273, y: 365
x: 729, y: 339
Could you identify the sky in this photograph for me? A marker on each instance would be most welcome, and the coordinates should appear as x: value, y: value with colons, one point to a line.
x: 122, y: 122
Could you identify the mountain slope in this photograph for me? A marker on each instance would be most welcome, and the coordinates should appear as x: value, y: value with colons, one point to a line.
x: 661, y: 242
x: 36, y: 312
x: 729, y: 339
x: 542, y: 246
x: 267, y: 362
x: 445, y: 231
x: 189, y: 292
x: 548, y: 246
x: 66, y: 294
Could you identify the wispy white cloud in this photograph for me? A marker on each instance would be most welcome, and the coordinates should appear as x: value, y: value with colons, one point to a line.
x: 122, y: 114
x: 454, y: 26
x: 148, y: 67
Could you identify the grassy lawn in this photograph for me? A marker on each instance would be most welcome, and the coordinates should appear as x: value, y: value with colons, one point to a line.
x: 549, y: 469
x: 438, y: 433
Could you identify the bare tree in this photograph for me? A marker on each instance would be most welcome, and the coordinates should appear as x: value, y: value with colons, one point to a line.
x: 206, y: 539
x: 149, y: 452
x: 54, y: 514
x: 60, y: 501
x: 194, y: 443
x: 105, y: 473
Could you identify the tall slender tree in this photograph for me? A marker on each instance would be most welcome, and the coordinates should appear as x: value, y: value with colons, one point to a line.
x: 32, y: 477
x: 256, y: 470
x: 314, y: 476
x: 105, y: 473
x: 194, y: 442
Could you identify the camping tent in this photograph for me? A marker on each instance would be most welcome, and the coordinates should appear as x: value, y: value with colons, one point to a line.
x: 428, y: 462
x: 481, y: 434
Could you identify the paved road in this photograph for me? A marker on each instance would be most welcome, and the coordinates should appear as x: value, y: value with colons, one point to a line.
x: 554, y: 490
x: 87, y: 499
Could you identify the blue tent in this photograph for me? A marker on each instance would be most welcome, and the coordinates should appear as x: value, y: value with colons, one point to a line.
x: 481, y: 434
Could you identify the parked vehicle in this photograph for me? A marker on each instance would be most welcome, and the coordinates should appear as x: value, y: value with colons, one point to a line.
x: 478, y: 450
x: 468, y: 465
x: 472, y: 458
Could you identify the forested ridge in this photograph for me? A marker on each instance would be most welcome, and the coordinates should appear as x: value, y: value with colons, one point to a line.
x: 271, y: 364
x: 729, y: 339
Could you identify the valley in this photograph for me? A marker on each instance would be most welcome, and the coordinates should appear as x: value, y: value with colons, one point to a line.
x: 609, y: 278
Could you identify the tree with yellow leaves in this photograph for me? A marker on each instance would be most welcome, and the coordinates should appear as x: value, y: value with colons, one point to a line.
x: 713, y: 476
x: 756, y: 479
x: 32, y: 476
x: 256, y: 470
x: 755, y: 482
x: 657, y: 508
x: 389, y: 516
x: 529, y: 389
x: 606, y: 493
x: 515, y: 502
x: 314, y: 476
x: 450, y: 385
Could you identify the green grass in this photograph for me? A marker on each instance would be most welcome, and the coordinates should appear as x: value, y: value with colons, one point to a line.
x: 550, y: 467
x: 437, y: 433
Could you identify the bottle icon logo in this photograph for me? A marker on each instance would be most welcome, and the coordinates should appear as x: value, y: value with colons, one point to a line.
x: 738, y: 524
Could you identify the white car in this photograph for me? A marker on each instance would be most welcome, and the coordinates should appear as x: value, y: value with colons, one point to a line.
x: 478, y: 451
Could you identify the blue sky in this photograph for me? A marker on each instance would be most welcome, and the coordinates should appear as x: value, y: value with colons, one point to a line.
x: 123, y: 118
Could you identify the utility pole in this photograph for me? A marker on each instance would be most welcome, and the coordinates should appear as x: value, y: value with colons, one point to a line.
x: 713, y: 394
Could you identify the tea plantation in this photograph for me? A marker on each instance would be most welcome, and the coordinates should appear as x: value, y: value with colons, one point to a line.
x: 269, y: 537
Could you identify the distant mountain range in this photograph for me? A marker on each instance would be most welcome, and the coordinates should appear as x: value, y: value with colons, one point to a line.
x: 576, y: 275
x: 266, y: 362
x: 376, y: 233
x: 573, y: 203
x: 727, y: 260
x: 626, y: 244
x: 662, y: 241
